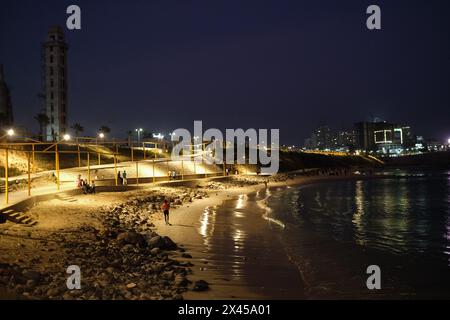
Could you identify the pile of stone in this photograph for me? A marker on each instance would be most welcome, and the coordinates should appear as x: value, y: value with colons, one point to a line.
x: 124, y: 259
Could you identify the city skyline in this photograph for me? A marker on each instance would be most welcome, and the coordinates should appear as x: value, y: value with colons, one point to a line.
x: 164, y: 64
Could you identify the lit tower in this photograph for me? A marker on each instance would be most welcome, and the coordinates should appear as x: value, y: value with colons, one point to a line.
x: 54, y: 57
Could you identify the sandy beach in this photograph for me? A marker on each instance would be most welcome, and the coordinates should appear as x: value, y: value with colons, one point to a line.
x: 222, y: 239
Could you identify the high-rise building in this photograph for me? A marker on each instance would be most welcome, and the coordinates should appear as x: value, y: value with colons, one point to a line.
x: 346, y: 139
x: 383, y: 136
x: 321, y: 139
x: 6, y: 115
x: 54, y: 55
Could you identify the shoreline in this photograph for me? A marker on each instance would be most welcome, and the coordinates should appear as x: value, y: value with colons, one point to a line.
x: 231, y: 275
x: 213, y: 266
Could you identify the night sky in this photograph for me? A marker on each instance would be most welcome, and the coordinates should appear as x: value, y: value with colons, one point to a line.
x: 291, y: 65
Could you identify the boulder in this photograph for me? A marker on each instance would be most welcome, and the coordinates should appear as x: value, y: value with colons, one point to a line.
x: 155, y: 242
x: 201, y: 285
x: 131, y: 238
x: 169, y: 244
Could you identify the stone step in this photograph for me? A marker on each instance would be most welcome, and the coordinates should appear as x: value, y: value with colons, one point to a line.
x: 27, y: 220
x: 15, y: 214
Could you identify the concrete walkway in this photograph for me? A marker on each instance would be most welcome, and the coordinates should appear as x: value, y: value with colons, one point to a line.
x: 104, y: 176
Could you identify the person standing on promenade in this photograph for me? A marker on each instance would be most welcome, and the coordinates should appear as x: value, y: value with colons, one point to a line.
x: 119, y: 178
x: 165, y: 208
x: 124, y: 178
x: 79, y: 181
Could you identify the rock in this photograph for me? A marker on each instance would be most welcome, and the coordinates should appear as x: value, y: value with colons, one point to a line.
x: 127, y: 248
x: 155, y: 251
x: 67, y: 296
x: 156, y: 242
x: 181, y: 281
x: 131, y: 285
x: 31, y: 283
x: 201, y: 285
x: 169, y: 244
x: 53, y: 292
x: 186, y: 255
x: 131, y: 238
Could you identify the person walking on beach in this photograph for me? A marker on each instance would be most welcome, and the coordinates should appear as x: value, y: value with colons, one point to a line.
x: 165, y: 208
x: 124, y: 178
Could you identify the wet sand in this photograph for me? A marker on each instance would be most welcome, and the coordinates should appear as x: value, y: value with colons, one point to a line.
x: 234, y: 249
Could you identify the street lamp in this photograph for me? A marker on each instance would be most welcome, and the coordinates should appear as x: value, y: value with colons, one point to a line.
x: 448, y: 141
x: 101, y: 135
x: 139, y: 134
x: 9, y: 133
x: 66, y: 137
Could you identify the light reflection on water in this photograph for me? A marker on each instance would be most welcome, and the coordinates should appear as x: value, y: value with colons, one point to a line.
x: 402, y: 216
x: 221, y: 233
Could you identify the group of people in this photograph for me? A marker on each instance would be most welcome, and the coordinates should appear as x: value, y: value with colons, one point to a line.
x: 122, y: 178
x: 228, y: 171
x: 84, y: 185
x: 172, y: 175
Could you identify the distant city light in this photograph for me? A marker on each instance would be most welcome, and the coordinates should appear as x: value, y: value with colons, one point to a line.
x: 66, y: 137
x: 10, y: 132
x: 159, y: 136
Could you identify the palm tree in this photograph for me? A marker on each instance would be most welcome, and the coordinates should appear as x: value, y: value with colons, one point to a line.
x: 105, y: 129
x: 43, y: 120
x: 78, y: 128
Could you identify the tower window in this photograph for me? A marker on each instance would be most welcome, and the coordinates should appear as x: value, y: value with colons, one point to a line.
x: 51, y: 59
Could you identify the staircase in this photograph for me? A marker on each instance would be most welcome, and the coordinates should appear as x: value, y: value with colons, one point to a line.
x: 18, y: 217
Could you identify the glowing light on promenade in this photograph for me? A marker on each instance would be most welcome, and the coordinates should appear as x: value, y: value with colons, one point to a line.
x: 10, y: 132
x: 66, y: 137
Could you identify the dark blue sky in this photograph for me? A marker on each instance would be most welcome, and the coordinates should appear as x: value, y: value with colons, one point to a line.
x: 265, y: 64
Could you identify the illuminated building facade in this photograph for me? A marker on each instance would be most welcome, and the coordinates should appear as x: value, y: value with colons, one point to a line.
x: 383, y: 137
x: 55, y: 83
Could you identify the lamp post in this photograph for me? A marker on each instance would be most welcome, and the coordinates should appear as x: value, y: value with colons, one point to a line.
x: 101, y: 135
x: 139, y: 134
x: 66, y: 137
